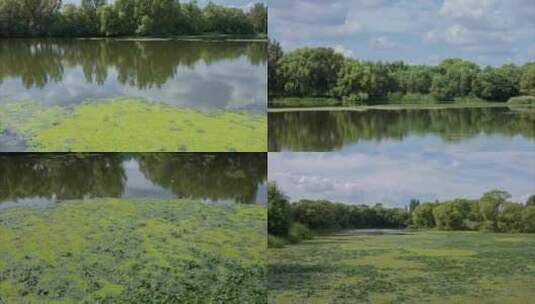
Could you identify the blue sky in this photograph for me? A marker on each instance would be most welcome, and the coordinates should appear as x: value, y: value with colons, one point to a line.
x: 417, y: 31
x: 393, y: 179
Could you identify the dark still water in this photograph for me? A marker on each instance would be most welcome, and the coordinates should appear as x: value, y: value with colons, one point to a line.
x: 467, y: 129
x: 52, y: 178
x: 202, y: 75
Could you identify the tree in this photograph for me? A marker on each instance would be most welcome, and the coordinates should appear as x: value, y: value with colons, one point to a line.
x: 91, y: 20
x: 422, y: 216
x: 449, y: 216
x: 528, y: 219
x: 274, y: 55
x: 531, y: 201
x: 490, y: 206
x: 310, y: 71
x: 38, y: 14
x: 258, y: 17
x: 494, y: 85
x: 510, y: 218
x: 110, y: 24
x: 278, y: 212
x: 353, y: 82
x: 527, y: 81
x: 454, y: 79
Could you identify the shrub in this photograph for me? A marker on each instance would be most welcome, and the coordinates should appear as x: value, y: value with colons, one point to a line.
x: 275, y: 242
x: 355, y: 99
x: 299, y: 232
x: 469, y: 99
x: 411, y: 98
x: 522, y: 100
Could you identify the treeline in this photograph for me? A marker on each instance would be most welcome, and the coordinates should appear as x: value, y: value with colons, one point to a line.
x: 92, y: 18
x: 322, y: 72
x: 492, y: 212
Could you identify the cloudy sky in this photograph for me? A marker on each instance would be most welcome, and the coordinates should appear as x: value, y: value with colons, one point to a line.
x: 394, y: 179
x: 417, y: 31
x: 240, y: 3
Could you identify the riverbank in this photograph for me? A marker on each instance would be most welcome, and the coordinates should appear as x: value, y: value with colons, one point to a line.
x: 414, y: 267
x: 132, y: 251
x: 224, y: 38
x: 400, y: 107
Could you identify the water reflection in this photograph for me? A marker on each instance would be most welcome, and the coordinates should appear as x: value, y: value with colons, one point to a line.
x: 49, y: 178
x: 481, y: 129
x: 205, y: 75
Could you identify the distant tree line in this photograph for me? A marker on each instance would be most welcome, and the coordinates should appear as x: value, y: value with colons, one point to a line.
x: 322, y: 72
x: 35, y: 18
x: 492, y: 212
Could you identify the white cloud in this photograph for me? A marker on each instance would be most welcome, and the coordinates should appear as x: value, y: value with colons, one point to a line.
x: 383, y: 43
x: 410, y: 30
x: 343, y: 50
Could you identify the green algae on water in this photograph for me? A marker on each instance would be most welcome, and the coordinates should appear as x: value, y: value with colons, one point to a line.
x: 134, y: 125
x: 133, y: 251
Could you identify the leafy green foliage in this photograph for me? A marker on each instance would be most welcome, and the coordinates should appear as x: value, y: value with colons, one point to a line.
x: 101, y: 125
x: 133, y: 251
x: 299, y: 232
x: 321, y: 72
x: 278, y: 212
x: 417, y: 267
x: 31, y: 18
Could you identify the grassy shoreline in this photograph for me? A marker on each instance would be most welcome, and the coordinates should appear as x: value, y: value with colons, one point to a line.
x: 210, y: 38
x: 396, y: 107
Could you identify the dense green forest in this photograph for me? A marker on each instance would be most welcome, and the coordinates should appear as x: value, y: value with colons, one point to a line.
x: 322, y: 72
x: 492, y: 212
x: 93, y: 18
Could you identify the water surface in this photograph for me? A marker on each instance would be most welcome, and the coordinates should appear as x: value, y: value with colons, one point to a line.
x: 201, y: 75
x: 52, y: 178
x: 468, y: 129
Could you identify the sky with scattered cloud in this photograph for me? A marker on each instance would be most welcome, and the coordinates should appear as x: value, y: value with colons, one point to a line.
x: 238, y: 3
x: 490, y: 32
x: 394, y: 179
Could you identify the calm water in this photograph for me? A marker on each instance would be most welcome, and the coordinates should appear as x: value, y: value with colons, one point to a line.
x: 469, y: 129
x: 52, y: 178
x: 202, y: 75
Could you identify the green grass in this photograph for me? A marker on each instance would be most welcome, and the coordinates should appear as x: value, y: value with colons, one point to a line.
x: 305, y: 102
x: 422, y: 267
x: 395, y: 107
x: 134, y: 125
x: 133, y: 251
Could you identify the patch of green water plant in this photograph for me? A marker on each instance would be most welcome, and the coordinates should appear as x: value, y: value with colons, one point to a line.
x: 134, y: 125
x: 423, y: 267
x: 133, y: 251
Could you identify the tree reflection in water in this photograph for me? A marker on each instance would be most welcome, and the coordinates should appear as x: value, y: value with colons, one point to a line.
x: 56, y: 177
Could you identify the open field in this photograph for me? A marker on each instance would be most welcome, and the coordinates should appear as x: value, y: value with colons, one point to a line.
x: 133, y: 251
x: 420, y: 267
x: 133, y: 125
